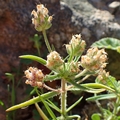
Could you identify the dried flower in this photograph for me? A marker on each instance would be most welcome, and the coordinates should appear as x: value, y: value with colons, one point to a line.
x: 41, y: 19
x: 76, y: 46
x: 94, y: 59
x: 34, y: 77
x: 54, y: 61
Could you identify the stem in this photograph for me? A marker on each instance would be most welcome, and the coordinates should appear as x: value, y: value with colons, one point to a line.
x: 63, y: 98
x: 116, y: 105
x: 81, y: 73
x: 46, y: 41
x: 41, y: 112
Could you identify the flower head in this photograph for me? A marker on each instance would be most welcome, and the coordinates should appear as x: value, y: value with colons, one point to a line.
x: 34, y: 77
x: 76, y: 46
x: 54, y: 61
x: 41, y: 19
x: 102, y: 77
x: 94, y: 59
x: 74, y: 67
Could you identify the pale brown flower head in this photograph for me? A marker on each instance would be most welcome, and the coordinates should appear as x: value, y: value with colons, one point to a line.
x: 102, y: 76
x: 41, y: 19
x: 34, y: 77
x: 74, y: 67
x: 76, y: 46
x: 54, y: 61
x: 94, y: 59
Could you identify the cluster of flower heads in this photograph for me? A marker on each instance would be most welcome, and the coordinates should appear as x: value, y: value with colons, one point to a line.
x: 34, y: 77
x: 41, y: 19
x: 94, y: 59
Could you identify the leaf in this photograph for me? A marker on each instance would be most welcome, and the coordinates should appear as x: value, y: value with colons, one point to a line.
x: 52, y: 105
x: 33, y: 101
x: 78, y: 85
x: 1, y: 103
x: 10, y: 76
x: 73, y: 105
x: 90, y: 90
x: 41, y: 113
x: 95, y: 116
x: 97, y: 85
x: 101, y: 97
x: 108, y: 43
x: 46, y: 106
x: 35, y: 58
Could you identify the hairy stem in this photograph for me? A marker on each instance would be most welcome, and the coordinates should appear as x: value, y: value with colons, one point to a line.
x: 46, y: 41
x: 63, y: 98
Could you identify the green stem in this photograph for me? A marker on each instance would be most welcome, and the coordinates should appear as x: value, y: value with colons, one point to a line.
x: 41, y: 112
x: 116, y: 105
x: 46, y: 41
x: 63, y: 98
x: 81, y: 73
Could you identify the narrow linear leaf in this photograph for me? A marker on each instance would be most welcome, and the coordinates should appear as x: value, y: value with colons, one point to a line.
x: 73, y: 105
x: 97, y: 85
x: 78, y: 85
x: 41, y: 113
x: 101, y: 97
x: 47, y: 107
x: 52, y: 105
x: 35, y: 58
x: 32, y: 101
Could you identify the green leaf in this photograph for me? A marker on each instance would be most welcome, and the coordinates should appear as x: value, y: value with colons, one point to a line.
x: 108, y: 43
x: 83, y: 88
x: 40, y: 111
x: 95, y: 116
x: 101, y: 97
x: 90, y: 90
x: 52, y: 105
x: 10, y: 76
x: 35, y: 58
x: 33, y: 101
x: 98, y: 85
x: 1, y: 103
x: 73, y: 105
x: 47, y: 107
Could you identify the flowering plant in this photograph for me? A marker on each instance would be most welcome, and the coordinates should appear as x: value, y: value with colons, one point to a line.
x: 72, y: 71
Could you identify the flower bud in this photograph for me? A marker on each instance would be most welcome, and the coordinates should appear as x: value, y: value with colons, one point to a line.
x: 41, y: 19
